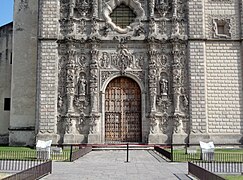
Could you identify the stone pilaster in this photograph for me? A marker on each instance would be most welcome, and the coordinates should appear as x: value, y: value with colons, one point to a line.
x: 48, y: 71
x: 23, y: 85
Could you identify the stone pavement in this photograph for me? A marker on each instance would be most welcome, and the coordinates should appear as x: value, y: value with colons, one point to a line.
x: 105, y: 165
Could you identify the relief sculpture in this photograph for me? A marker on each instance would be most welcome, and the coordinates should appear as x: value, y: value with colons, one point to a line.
x: 94, y: 50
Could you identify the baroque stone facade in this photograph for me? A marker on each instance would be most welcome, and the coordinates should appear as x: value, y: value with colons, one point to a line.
x: 185, y: 56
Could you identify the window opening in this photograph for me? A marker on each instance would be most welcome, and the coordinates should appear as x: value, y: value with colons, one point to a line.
x: 7, y: 104
x: 11, y: 58
x: 122, y: 16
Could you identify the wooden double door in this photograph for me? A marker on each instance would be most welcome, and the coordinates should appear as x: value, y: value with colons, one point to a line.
x: 123, y: 111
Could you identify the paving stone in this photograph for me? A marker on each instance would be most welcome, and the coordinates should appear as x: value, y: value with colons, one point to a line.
x: 112, y: 165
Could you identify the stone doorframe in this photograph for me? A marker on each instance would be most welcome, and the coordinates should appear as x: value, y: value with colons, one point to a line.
x: 144, y: 123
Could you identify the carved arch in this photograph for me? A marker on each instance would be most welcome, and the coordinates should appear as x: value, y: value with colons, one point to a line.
x: 129, y: 75
x: 133, y: 4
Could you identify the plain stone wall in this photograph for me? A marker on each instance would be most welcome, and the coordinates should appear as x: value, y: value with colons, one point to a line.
x: 49, y: 16
x: 23, y: 88
x: 224, y: 87
x: 48, y: 69
x: 5, y: 78
x: 215, y: 73
x: 197, y: 87
x: 224, y: 74
x: 47, y: 90
x: 197, y: 71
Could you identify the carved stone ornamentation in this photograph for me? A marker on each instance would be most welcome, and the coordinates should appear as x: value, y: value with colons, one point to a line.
x: 81, y: 103
x: 105, y: 75
x: 122, y: 59
x: 93, y: 124
x: 162, y: 8
x: 94, y: 97
x: 139, y: 30
x: 221, y: 26
x: 93, y: 51
x: 94, y: 29
x: 180, y: 124
x: 70, y: 124
x: 139, y: 74
x: 110, y: 5
x: 81, y: 27
x: 153, y: 124
x: 67, y: 27
x: 105, y: 60
x: 82, y: 61
x: 64, y: 9
x: 82, y: 8
x: 151, y: 7
x: 106, y: 29
x: 152, y: 30
x: 82, y: 121
x: 164, y: 123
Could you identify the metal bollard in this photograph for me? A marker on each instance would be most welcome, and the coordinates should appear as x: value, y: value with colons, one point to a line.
x: 127, y: 153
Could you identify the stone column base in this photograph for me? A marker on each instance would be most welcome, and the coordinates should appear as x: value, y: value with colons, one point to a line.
x: 179, y: 138
x: 158, y: 139
x: 94, y: 139
x: 73, y: 139
x: 47, y: 136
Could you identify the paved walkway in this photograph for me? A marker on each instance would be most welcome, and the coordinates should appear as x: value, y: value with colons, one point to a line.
x: 105, y: 165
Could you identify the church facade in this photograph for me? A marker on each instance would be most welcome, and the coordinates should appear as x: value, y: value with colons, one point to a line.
x: 113, y: 71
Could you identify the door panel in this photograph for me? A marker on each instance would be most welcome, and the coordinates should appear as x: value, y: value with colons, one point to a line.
x: 123, y: 111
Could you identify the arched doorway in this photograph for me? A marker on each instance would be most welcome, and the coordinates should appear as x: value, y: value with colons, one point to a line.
x: 123, y: 111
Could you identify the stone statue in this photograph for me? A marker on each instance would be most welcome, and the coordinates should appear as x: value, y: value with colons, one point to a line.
x: 81, y: 85
x: 177, y: 95
x: 153, y: 94
x: 105, y: 60
x: 164, y: 86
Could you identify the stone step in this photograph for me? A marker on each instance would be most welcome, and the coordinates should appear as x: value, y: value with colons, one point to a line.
x: 122, y: 147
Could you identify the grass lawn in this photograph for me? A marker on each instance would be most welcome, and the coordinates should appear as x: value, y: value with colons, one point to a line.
x: 25, y: 153
x: 7, y: 148
x: 233, y: 177
x: 223, y: 155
